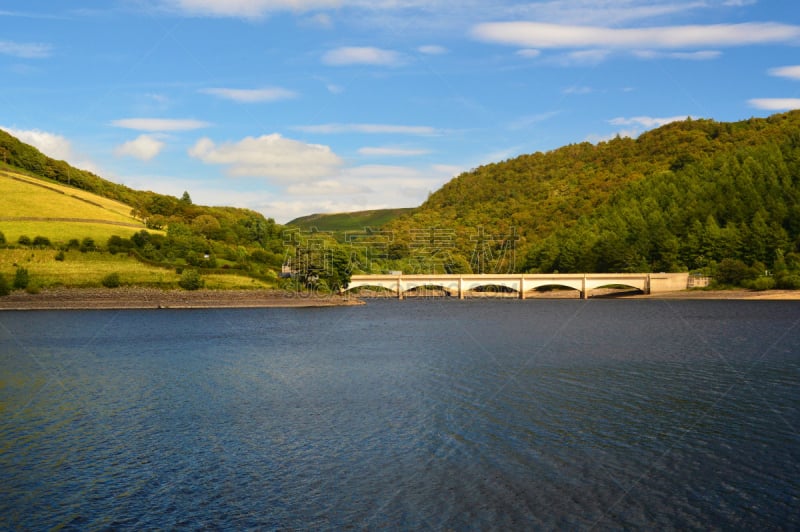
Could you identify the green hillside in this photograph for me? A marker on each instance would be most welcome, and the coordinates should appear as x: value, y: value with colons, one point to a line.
x: 687, y: 195
x: 347, y: 221
x: 33, y: 207
x: 72, y: 227
x: 718, y: 198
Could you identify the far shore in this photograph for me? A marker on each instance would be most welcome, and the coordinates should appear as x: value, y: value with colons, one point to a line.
x: 726, y: 294
x: 154, y: 298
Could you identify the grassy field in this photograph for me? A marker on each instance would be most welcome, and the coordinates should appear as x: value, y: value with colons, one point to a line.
x: 88, y: 270
x: 34, y: 207
x: 28, y: 196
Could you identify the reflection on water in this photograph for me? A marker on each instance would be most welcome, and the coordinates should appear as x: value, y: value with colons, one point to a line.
x: 416, y: 414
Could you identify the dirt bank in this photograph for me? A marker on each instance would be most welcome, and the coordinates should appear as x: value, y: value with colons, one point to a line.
x: 142, y: 298
x: 727, y: 294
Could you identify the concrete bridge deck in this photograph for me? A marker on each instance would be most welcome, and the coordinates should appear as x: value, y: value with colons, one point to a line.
x: 462, y: 284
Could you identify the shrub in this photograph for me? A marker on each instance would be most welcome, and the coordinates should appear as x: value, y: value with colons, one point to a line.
x: 73, y: 244
x: 21, y: 278
x: 789, y: 282
x: 87, y: 244
x: 733, y: 272
x: 4, y: 288
x: 33, y: 288
x: 193, y: 258
x: 60, y: 256
x: 190, y: 280
x: 2, y: 239
x: 762, y: 283
x: 111, y: 280
x: 41, y: 242
x: 24, y: 240
x: 118, y: 244
x: 140, y: 239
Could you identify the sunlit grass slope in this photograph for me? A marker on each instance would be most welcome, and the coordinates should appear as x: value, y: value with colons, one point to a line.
x: 34, y: 207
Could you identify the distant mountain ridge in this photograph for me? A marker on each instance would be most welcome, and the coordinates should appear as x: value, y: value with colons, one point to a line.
x: 348, y: 221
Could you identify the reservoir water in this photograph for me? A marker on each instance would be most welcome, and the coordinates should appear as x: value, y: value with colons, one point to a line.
x: 427, y: 414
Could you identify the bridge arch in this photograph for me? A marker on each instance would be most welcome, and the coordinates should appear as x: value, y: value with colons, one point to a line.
x: 449, y: 286
x: 388, y: 284
x: 474, y: 284
x: 554, y: 285
x: 638, y: 283
x: 575, y: 284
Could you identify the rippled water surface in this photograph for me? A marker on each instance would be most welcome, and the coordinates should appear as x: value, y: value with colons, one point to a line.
x: 414, y: 415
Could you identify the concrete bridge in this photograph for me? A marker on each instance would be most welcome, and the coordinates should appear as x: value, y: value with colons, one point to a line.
x: 461, y: 285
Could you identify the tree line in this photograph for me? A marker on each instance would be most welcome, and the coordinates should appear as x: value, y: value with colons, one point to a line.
x: 696, y: 195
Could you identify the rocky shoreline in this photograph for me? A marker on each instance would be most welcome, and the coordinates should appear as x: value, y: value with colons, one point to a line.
x: 154, y: 298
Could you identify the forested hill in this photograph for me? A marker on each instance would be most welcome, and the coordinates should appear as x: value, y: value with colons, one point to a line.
x: 683, y: 196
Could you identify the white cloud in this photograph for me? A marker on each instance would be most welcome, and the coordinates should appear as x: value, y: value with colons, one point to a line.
x: 775, y: 104
x: 388, y: 151
x: 321, y: 20
x: 25, y: 50
x: 269, y: 156
x: 50, y: 144
x: 361, y: 55
x: 248, y: 8
x: 432, y: 49
x: 334, y: 89
x: 152, y: 103
x: 640, y: 123
x: 529, y: 52
x: 345, y: 190
x: 266, y: 94
x: 448, y: 170
x: 700, y: 55
x: 646, y: 121
x: 791, y: 72
x: 543, y: 35
x: 375, y: 129
x: 54, y: 146
x: 584, y: 57
x: 326, y: 187
x: 577, y: 89
x: 598, y: 12
x: 287, y: 209
x: 526, y: 121
x: 623, y: 133
x: 160, y: 124
x: 360, y: 188
x: 143, y: 147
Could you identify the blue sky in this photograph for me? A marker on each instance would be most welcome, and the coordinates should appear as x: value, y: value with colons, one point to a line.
x: 292, y: 107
